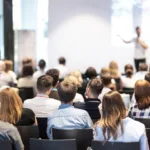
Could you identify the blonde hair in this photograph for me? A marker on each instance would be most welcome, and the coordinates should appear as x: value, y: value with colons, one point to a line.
x: 2, y: 65
x: 10, y: 106
x: 77, y: 74
x: 71, y: 79
x: 9, y: 65
x: 104, y: 70
x: 113, y: 66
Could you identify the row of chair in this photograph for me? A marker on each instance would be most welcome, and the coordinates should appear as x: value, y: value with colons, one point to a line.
x: 36, y: 144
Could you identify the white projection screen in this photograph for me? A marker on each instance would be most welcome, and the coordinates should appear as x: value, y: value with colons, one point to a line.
x: 85, y: 31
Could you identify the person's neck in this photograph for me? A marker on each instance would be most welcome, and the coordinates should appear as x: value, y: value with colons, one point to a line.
x: 70, y: 103
x: 92, y: 97
x: 46, y: 93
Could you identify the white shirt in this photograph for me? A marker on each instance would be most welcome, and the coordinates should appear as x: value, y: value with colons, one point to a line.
x: 128, y: 82
x: 134, y: 131
x: 13, y: 75
x: 38, y: 73
x: 63, y: 70
x: 42, y: 105
x: 140, y: 75
x: 5, y: 79
x: 104, y: 91
x: 78, y: 98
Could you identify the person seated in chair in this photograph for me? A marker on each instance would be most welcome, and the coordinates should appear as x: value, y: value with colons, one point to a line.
x: 68, y: 117
x: 93, y: 90
x: 54, y: 73
x: 42, y: 105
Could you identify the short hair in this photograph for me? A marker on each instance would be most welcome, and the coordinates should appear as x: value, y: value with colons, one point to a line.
x: 137, y: 28
x: 42, y: 64
x: 67, y: 91
x: 104, y: 70
x: 11, y: 106
x: 62, y: 60
x: 27, y: 70
x: 27, y: 61
x: 128, y: 66
x: 91, y: 73
x: 142, y: 94
x: 95, y: 86
x: 44, y: 83
x: 54, y: 73
x: 106, y: 79
x: 128, y: 70
x: 8, y: 65
x: 143, y: 67
x: 147, y: 77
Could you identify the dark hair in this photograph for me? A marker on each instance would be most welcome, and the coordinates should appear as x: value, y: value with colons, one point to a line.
x: 62, y: 60
x: 129, y: 73
x: 137, y: 28
x: 67, y: 91
x: 27, y: 70
x: 91, y: 73
x: 142, y: 94
x: 128, y: 66
x: 42, y: 64
x: 54, y: 73
x: 106, y: 79
x: 95, y: 86
x: 143, y: 67
x: 44, y: 83
x: 147, y: 77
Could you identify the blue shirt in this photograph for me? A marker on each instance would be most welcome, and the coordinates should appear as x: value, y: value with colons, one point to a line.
x: 68, y: 117
x: 133, y: 131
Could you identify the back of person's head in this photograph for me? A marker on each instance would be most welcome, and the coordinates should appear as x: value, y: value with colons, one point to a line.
x: 104, y: 70
x: 91, y: 73
x: 42, y: 64
x: 142, y: 94
x: 54, y: 73
x: 11, y: 106
x: 71, y: 79
x: 112, y: 113
x: 44, y: 84
x: 62, y: 61
x: 9, y: 65
x: 128, y: 70
x: 77, y: 74
x: 2, y: 66
x: 113, y: 66
x: 147, y: 77
x: 67, y: 91
x: 27, y: 70
x: 143, y: 67
x: 94, y: 87
x: 27, y: 61
x: 106, y: 79
x: 128, y: 66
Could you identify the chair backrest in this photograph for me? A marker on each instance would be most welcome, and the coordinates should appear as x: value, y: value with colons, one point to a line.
x: 26, y: 93
x: 83, y: 136
x: 148, y: 135
x: 52, y: 145
x: 145, y: 121
x: 5, y: 145
x: 27, y: 132
x: 98, y: 145
x: 92, y: 109
x: 42, y: 125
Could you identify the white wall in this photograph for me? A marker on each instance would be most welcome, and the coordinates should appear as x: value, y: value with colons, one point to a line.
x: 80, y: 30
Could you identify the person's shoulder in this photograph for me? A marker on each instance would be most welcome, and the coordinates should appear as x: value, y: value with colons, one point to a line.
x: 80, y: 112
x: 27, y: 101
x: 52, y: 100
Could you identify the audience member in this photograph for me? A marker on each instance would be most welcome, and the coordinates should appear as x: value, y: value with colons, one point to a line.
x: 90, y: 73
x: 9, y: 70
x: 42, y: 105
x: 54, y: 73
x: 116, y: 75
x: 93, y: 90
x: 68, y: 117
x: 114, y: 126
x: 147, y: 77
x: 128, y: 81
x: 73, y: 80
x: 5, y: 79
x: 143, y: 69
x: 63, y: 70
x: 27, y: 79
x: 41, y: 71
x: 141, y: 108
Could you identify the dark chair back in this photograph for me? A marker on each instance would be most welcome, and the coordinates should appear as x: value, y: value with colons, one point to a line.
x: 118, y: 83
x: 52, y: 145
x: 5, y: 145
x: 27, y: 132
x: 83, y: 136
x: 26, y: 93
x: 146, y: 122
x: 98, y: 145
x: 148, y: 135
x: 92, y: 108
x: 42, y: 125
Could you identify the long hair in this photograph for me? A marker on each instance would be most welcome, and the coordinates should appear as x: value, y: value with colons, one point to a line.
x: 113, y: 66
x: 113, y: 111
x: 10, y: 106
x: 142, y: 94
